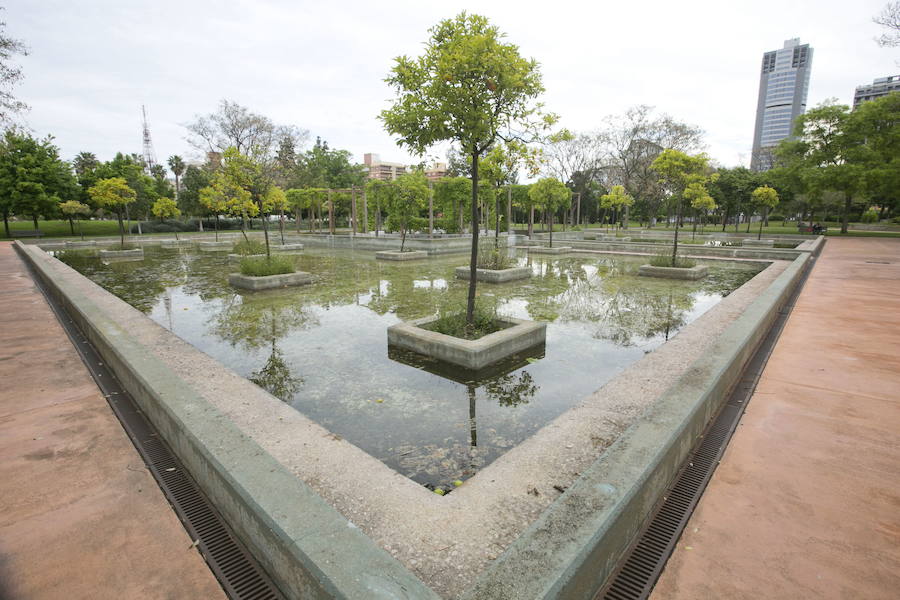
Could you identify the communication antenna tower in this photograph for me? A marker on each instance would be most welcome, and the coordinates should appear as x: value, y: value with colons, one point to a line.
x: 149, y: 154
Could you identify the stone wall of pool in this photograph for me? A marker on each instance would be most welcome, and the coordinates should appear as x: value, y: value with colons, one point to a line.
x: 327, y: 520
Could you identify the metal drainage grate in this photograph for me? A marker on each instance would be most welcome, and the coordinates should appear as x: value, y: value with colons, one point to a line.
x: 239, y: 574
x: 642, y: 565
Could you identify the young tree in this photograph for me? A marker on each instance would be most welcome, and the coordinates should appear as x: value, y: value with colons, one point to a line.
x: 115, y: 194
x: 166, y: 208
x: 406, y: 202
x: 277, y: 200
x: 469, y: 87
x: 551, y: 195
x: 617, y: 199
x: 767, y: 198
x: 677, y: 171
x: 700, y: 200
x: 73, y: 209
x: 214, y: 198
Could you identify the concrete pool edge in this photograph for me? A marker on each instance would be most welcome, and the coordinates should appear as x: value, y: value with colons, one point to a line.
x: 350, y: 566
x: 570, y: 550
x: 312, y: 552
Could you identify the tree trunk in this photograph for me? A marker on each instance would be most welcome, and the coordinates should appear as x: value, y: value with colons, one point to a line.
x: 550, y: 218
x: 217, y: 227
x: 121, y: 230
x: 281, y: 225
x: 71, y: 226
x: 531, y: 222
x: 430, y: 209
x: 845, y: 217
x: 35, y: 219
x: 473, y: 259
x: 265, y: 223
x: 402, y: 236
x: 509, y: 225
x: 737, y: 218
x: 675, y: 243
x: 761, y: 221
x: 6, y: 222
x: 330, y: 214
x: 497, y: 220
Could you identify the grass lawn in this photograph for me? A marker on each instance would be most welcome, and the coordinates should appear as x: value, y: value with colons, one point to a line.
x: 834, y: 229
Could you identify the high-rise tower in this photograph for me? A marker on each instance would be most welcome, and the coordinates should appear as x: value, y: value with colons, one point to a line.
x: 148, y: 154
x: 783, y: 86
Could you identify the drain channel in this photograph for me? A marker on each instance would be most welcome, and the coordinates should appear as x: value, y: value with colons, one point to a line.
x: 642, y: 564
x: 239, y: 574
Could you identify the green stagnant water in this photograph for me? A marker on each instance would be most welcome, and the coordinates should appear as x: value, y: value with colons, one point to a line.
x: 322, y: 348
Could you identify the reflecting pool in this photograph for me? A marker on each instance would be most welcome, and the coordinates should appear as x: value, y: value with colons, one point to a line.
x: 322, y: 348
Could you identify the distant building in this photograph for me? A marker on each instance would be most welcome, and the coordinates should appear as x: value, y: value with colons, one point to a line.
x: 436, y: 171
x: 783, y: 87
x: 880, y: 87
x: 385, y: 171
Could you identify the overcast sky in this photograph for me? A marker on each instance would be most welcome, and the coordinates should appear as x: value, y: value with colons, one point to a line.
x: 321, y: 65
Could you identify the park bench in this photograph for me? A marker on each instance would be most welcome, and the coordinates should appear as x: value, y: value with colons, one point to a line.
x: 27, y: 233
x: 810, y: 228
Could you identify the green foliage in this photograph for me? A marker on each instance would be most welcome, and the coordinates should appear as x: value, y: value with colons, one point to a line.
x: 165, y: 208
x: 765, y: 196
x: 452, y: 321
x: 33, y: 180
x: 616, y: 198
x: 664, y: 259
x: 112, y: 193
x: 870, y: 216
x: 699, y: 197
x: 452, y: 196
x: 406, y: 200
x: 249, y: 246
x: 195, y: 179
x: 551, y: 195
x: 74, y: 208
x: 263, y: 266
x: 324, y: 167
x: 494, y: 258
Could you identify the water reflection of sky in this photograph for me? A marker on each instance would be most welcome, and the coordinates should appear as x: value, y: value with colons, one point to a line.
x: 323, y: 348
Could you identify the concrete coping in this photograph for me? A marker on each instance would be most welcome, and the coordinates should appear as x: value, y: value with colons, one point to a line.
x: 268, y: 282
x: 131, y: 253
x: 517, y: 336
x: 494, y: 275
x: 548, y: 250
x: 402, y: 256
x: 313, y: 551
x: 691, y: 273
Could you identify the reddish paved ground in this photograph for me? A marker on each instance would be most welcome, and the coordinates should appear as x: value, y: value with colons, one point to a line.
x: 806, y: 502
x: 80, y: 516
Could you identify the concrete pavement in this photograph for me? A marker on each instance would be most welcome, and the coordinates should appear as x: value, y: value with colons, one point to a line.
x: 806, y: 501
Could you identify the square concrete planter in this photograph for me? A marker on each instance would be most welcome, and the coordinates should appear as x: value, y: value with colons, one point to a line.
x: 520, y: 335
x: 215, y: 246
x: 287, y: 248
x: 751, y: 242
x: 495, y: 275
x: 397, y: 255
x: 547, y: 250
x: 695, y: 272
x: 175, y: 243
x: 239, y: 257
x: 267, y: 282
x: 134, y: 253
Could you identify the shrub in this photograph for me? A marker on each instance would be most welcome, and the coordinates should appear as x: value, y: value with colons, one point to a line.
x: 263, y: 266
x: 452, y: 321
x: 664, y: 259
x: 776, y: 217
x: 493, y: 258
x: 246, y: 247
x: 870, y: 216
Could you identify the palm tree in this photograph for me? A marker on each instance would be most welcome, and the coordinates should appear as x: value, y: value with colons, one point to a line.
x: 176, y: 164
x: 85, y: 162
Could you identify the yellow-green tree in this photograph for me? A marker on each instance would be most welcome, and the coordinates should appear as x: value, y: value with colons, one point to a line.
x: 470, y: 87
x: 617, y: 199
x: 276, y: 199
x: 166, y: 208
x: 113, y: 193
x: 73, y: 209
x: 551, y: 195
x: 677, y: 170
x: 701, y: 202
x: 767, y: 198
x: 214, y: 199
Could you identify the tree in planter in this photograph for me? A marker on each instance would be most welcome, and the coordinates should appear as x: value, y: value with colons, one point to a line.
x: 469, y: 87
x: 551, y: 195
x: 277, y: 200
x: 767, y: 198
x: 166, y: 208
x: 214, y: 199
x: 73, y: 209
x: 677, y: 170
x: 617, y: 199
x: 698, y: 196
x: 451, y: 197
x: 409, y: 197
x: 114, y: 193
